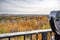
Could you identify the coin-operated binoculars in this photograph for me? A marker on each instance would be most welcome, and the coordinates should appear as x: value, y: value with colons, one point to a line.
x: 55, y: 23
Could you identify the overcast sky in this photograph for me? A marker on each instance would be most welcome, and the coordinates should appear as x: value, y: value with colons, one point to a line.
x: 28, y: 6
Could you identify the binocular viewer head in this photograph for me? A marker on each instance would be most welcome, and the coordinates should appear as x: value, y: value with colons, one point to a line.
x: 55, y: 21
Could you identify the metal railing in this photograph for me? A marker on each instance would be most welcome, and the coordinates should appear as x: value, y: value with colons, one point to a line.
x: 30, y: 33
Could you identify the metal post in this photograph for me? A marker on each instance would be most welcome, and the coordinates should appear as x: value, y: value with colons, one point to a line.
x: 44, y: 36
x: 9, y: 38
x: 0, y: 38
x: 50, y: 35
x: 31, y: 37
x: 24, y: 37
x: 37, y: 36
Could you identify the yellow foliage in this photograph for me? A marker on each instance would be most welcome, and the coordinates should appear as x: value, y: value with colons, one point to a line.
x: 20, y: 23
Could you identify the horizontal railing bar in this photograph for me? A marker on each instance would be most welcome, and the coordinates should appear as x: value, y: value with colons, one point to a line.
x: 24, y: 33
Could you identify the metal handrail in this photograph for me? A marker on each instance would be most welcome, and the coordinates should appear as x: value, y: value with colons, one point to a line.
x: 24, y: 33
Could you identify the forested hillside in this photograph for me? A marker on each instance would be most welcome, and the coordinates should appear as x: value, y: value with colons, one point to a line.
x: 9, y: 24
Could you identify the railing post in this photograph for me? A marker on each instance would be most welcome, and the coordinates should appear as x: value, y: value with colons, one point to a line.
x: 0, y: 38
x: 50, y: 35
x: 24, y: 37
x: 37, y: 36
x: 9, y: 38
x: 31, y: 37
x: 44, y: 36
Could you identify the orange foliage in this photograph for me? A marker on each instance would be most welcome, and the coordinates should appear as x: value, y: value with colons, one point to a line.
x: 20, y: 23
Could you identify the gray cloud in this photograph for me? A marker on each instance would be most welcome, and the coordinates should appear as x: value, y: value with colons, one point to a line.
x: 28, y: 6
